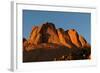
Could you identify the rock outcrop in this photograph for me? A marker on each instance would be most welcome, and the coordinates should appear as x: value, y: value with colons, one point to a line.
x: 64, y: 38
x: 48, y: 43
x: 83, y: 42
x: 74, y: 37
x: 45, y: 33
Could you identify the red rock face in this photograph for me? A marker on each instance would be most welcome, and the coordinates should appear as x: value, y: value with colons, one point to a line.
x: 64, y: 38
x: 74, y: 37
x: 33, y: 35
x: 45, y: 33
x: 48, y: 43
x: 83, y: 42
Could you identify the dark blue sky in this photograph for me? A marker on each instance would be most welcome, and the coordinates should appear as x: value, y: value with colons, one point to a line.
x: 66, y: 20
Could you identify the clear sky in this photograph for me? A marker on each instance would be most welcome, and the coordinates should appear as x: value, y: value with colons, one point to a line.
x: 66, y: 20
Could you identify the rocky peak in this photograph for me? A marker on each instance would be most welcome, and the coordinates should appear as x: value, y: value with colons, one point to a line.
x: 62, y: 38
x: 83, y: 42
x: 48, y: 43
x: 74, y: 37
x: 45, y: 33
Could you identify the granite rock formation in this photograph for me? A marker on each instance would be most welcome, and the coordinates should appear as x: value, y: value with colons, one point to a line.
x: 47, y: 43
